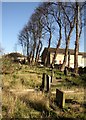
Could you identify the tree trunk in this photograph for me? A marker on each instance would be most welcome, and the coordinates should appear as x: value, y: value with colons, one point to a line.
x: 65, y: 56
x: 46, y: 58
x: 66, y: 49
x: 28, y: 55
x: 58, y: 45
x: 77, y: 41
x: 68, y: 59
x: 37, y: 51
x: 33, y: 54
x: 56, y: 52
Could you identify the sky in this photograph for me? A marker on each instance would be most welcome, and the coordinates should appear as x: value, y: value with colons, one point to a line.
x: 14, y: 16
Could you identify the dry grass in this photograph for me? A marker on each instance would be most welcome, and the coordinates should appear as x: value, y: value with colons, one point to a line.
x: 22, y: 103
x: 36, y: 100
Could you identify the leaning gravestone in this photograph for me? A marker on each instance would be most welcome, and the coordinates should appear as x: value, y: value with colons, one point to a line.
x: 60, y: 98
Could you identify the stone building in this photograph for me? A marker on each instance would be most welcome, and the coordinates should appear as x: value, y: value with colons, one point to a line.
x: 60, y: 57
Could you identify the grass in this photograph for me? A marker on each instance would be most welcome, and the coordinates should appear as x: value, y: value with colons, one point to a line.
x: 13, y: 107
x: 37, y: 104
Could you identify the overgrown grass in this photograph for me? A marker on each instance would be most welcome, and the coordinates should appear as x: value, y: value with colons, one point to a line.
x: 13, y: 107
x: 35, y: 104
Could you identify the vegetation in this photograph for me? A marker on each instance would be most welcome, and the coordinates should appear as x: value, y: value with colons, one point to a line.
x: 21, y: 84
x: 22, y: 97
x: 59, y: 19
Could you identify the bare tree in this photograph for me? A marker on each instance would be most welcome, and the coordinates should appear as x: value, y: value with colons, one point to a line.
x: 33, y: 35
x: 47, y: 24
x: 56, y: 13
x: 39, y: 29
x: 79, y: 8
x: 25, y: 41
x: 42, y: 24
x: 22, y: 41
x: 35, y: 30
x: 72, y: 19
x: 69, y: 24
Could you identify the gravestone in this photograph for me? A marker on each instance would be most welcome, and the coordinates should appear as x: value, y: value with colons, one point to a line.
x: 80, y: 70
x: 60, y: 98
x: 66, y: 71
x: 84, y: 70
x: 52, y: 74
x: 48, y: 82
x: 43, y: 80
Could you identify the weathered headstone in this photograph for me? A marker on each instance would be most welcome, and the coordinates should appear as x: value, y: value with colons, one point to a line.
x: 66, y: 71
x: 43, y: 80
x: 60, y: 98
x: 48, y: 83
x: 52, y: 74
x: 84, y: 70
x: 80, y: 70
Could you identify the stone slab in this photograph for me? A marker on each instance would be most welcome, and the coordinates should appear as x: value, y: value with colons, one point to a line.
x: 60, y: 98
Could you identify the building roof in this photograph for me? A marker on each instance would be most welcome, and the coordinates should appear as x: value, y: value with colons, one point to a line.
x: 84, y: 54
x: 62, y: 51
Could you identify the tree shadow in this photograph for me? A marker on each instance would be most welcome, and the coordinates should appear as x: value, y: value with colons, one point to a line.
x: 71, y: 101
x: 36, y: 105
